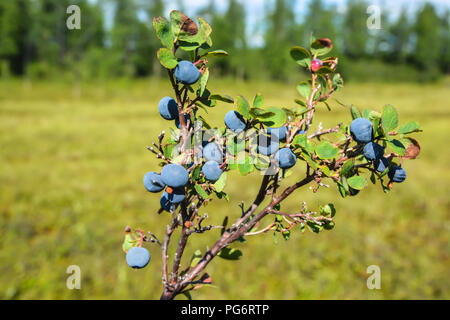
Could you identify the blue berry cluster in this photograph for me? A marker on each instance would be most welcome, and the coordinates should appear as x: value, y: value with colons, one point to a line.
x: 361, y: 130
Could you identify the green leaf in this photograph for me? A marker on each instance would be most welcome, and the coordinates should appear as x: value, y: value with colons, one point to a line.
x: 304, y: 88
x: 328, y: 210
x: 347, y: 169
x: 309, y: 160
x: 301, y: 56
x: 223, y: 98
x: 355, y: 112
x: 325, y: 150
x: 246, y: 167
x: 374, y: 115
x: 179, y: 158
x: 163, y: 31
x: 389, y: 118
x: 196, y: 173
x: 258, y: 101
x: 235, y: 145
x: 301, y: 140
x: 313, y: 227
x: 357, y: 182
x: 260, y: 114
x: 337, y: 82
x: 230, y: 254
x: 300, y: 102
x: 341, y: 190
x: 166, y: 58
x: 275, y: 238
x: 204, y: 81
x: 278, y: 119
x: 168, y: 150
x: 217, y: 53
x: 321, y: 46
x: 219, y: 185
x: 410, y: 127
x: 397, y: 146
x: 196, y: 257
x: 129, y: 242
x: 188, y: 45
x: 205, y: 29
x: 324, y: 70
x: 243, y: 107
x: 345, y: 184
x: 202, y: 193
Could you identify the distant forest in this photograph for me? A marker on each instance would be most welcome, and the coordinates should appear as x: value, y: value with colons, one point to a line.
x: 35, y: 42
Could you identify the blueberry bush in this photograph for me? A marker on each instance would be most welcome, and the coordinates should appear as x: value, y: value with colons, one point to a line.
x: 255, y: 139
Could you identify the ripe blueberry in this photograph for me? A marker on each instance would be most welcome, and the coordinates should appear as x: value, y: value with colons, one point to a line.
x: 361, y: 130
x: 286, y: 158
x: 212, y: 152
x: 381, y: 164
x: 174, y: 175
x: 267, y: 145
x: 153, y: 182
x: 212, y: 171
x: 373, y: 151
x: 138, y: 257
x: 173, y: 195
x: 397, y: 174
x: 234, y: 121
x: 168, y: 108
x: 280, y: 132
x: 165, y: 203
x: 186, y: 72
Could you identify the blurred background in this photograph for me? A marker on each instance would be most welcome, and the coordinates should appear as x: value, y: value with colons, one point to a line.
x: 78, y: 108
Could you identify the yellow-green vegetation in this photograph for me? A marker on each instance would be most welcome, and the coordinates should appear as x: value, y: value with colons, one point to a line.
x: 72, y: 160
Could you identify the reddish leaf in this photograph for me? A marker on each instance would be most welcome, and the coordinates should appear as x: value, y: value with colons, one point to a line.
x: 325, y: 42
x: 413, y: 149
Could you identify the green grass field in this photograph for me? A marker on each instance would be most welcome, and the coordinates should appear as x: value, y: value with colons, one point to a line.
x: 71, y: 167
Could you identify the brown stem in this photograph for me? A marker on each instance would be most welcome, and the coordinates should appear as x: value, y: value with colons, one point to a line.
x: 230, y: 235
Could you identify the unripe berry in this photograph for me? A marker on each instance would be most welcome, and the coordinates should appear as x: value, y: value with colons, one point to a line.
x: 316, y: 64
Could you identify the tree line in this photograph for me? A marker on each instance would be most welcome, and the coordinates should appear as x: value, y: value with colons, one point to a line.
x: 117, y: 40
